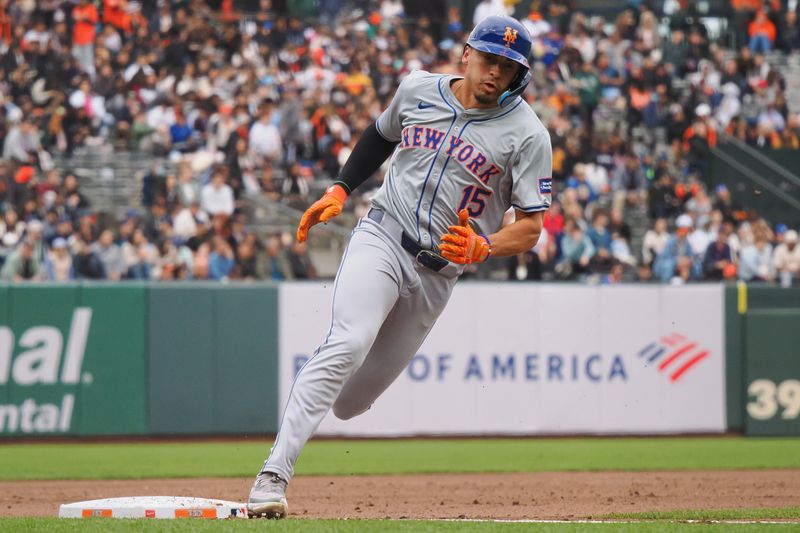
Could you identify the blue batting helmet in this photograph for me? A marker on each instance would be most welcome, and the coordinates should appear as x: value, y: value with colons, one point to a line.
x: 505, y: 36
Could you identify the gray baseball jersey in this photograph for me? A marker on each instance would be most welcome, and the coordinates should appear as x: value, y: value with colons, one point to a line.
x: 384, y: 301
x: 486, y: 160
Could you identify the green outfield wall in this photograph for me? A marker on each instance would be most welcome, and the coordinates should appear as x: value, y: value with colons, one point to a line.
x: 213, y: 359
x: 131, y: 359
x: 762, y: 344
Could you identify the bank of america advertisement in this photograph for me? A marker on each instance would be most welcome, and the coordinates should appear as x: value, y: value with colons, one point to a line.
x: 539, y: 359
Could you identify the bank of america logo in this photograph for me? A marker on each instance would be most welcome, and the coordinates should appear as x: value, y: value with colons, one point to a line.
x: 674, y: 354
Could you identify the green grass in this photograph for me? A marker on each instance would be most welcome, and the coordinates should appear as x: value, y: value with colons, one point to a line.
x: 785, y: 513
x: 346, y: 526
x: 243, y: 458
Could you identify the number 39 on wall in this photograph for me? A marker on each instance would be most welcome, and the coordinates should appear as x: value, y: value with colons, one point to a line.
x: 770, y: 396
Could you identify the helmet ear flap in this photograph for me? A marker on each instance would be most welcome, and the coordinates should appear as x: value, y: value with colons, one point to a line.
x: 516, y: 88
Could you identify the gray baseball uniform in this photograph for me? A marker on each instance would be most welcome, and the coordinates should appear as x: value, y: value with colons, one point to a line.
x: 384, y: 301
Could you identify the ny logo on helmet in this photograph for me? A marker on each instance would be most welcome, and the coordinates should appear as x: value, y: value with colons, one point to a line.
x: 510, y: 37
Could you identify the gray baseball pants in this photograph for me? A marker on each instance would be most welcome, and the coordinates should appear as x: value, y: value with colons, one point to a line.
x: 384, y: 305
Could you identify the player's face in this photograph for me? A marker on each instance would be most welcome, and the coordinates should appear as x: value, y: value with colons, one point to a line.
x: 488, y: 75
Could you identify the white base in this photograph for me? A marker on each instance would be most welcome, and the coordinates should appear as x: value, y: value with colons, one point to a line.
x: 154, y: 507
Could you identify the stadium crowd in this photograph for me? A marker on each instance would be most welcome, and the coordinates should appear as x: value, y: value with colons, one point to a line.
x: 271, y: 103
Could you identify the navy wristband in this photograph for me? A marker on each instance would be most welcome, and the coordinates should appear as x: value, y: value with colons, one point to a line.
x: 489, y: 242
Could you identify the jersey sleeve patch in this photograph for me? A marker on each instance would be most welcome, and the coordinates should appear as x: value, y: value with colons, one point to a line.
x: 545, y: 185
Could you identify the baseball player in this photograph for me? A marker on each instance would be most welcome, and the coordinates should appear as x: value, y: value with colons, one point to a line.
x: 463, y: 151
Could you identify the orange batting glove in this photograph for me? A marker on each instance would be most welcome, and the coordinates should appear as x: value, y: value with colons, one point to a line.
x: 462, y: 245
x: 324, y: 209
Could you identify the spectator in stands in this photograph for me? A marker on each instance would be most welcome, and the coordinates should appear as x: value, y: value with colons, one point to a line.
x: 58, y: 266
x: 84, y: 18
x: 265, y: 138
x: 597, y: 179
x: 161, y: 117
x: 151, y: 185
x: 789, y: 32
x: 221, y: 260
x: 243, y: 164
x: 743, y: 13
x: 140, y: 256
x: 89, y: 102
x: 577, y: 251
x: 677, y: 247
x: 724, y: 203
x: 487, y: 8
x: 171, y: 194
x: 22, y: 142
x: 755, y: 263
x: 277, y: 266
x: 200, y: 262
x: 685, y: 271
x: 11, y: 231
x: 718, y: 260
x: 525, y: 266
x: 277, y: 102
x: 181, y: 134
x: 654, y: 241
x: 621, y: 250
x: 217, y: 196
x: 64, y: 229
x: 34, y: 235
x: 615, y: 275
x: 166, y: 262
x: 731, y: 104
x: 629, y: 182
x: 110, y: 255
x: 703, y: 235
x: 188, y: 188
x: 186, y: 219
x: 587, y: 84
x: 585, y: 192
x: 155, y: 220
x: 22, y: 264
x: 295, y: 185
x: 699, y: 205
x: 246, y: 266
x: 762, y: 32
x: 300, y: 262
x: 676, y: 51
x: 699, y: 138
x: 75, y: 201
x: 535, y: 22
x: 86, y: 264
x: 601, y: 241
x: 662, y: 202
x: 787, y: 259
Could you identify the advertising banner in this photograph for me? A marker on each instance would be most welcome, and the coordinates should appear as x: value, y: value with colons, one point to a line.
x: 511, y: 359
x: 71, y: 360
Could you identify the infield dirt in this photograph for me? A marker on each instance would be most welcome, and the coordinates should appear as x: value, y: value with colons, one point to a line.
x: 546, y: 495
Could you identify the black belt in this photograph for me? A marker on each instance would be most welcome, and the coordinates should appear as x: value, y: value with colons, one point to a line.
x: 424, y: 257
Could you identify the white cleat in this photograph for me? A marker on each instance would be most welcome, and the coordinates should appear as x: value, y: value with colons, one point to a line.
x: 268, y: 497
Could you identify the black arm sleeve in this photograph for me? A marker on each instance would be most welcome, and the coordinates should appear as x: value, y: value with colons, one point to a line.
x: 368, y: 155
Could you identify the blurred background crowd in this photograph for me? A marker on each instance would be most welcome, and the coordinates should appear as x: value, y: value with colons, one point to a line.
x: 232, y: 100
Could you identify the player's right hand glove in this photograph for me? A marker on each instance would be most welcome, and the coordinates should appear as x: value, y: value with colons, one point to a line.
x: 322, y: 210
x: 462, y: 245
